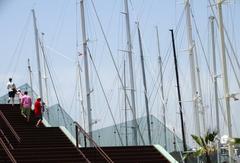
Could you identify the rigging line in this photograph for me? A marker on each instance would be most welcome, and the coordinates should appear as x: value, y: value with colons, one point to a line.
x: 105, y: 96
x: 55, y: 78
x: 76, y: 30
x: 81, y: 94
x: 231, y: 62
x: 168, y: 53
x: 201, y: 43
x: 234, y: 71
x: 231, y: 46
x: 21, y: 45
x: 75, y: 93
x: 115, y: 65
x: 59, y: 53
x: 15, y: 50
x: 167, y: 57
x: 54, y: 88
x: 220, y: 102
x: 59, y: 24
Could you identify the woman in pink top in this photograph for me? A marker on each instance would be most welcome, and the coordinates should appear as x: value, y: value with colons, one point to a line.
x: 20, y: 95
x: 26, y: 103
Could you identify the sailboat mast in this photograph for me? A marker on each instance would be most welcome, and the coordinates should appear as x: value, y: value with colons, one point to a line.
x: 145, y: 85
x: 80, y: 94
x: 30, y: 77
x: 86, y: 68
x: 179, y: 93
x: 162, y: 91
x: 45, y: 71
x: 224, y: 69
x: 215, y: 74
x: 37, y: 53
x: 192, y: 68
x: 125, y: 101
x: 200, y: 97
x: 129, y: 44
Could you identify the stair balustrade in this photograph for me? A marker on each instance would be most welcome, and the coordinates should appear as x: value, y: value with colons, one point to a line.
x: 10, y: 127
x: 7, y: 151
x: 86, y: 136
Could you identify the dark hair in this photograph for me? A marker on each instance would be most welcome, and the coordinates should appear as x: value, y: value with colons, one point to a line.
x: 25, y: 92
x: 10, y: 79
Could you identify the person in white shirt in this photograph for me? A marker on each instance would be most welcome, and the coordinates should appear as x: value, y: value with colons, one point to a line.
x: 11, y: 91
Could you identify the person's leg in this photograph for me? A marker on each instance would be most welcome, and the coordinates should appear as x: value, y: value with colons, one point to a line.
x: 9, y: 96
x: 24, y: 112
x: 12, y: 99
x: 13, y: 95
x: 28, y: 111
x: 39, y: 121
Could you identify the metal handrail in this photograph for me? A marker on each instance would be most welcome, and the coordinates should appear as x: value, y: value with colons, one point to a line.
x: 86, y: 135
x: 6, y: 139
x: 9, y: 154
x: 83, y: 155
x: 10, y: 126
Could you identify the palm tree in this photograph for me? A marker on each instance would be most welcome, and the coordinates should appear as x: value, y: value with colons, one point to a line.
x: 207, y: 146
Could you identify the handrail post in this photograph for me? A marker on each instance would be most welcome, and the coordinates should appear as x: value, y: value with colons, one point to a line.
x: 87, y: 136
x: 85, y: 141
x: 76, y: 130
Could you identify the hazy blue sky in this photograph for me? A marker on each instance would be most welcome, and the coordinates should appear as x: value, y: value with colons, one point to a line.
x: 60, y: 21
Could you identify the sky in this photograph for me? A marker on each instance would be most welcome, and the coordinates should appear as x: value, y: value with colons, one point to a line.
x: 59, y: 20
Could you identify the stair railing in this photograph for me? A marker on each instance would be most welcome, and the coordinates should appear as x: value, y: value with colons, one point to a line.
x: 5, y: 137
x: 10, y: 126
x: 5, y: 148
x: 86, y: 136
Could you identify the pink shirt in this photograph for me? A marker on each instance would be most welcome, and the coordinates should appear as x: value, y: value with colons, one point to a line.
x: 26, y: 101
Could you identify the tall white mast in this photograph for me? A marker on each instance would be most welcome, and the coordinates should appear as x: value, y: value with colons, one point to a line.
x: 215, y: 74
x: 80, y: 92
x: 145, y: 86
x: 88, y: 91
x: 45, y: 71
x: 129, y: 43
x: 162, y: 91
x: 192, y: 68
x: 30, y: 78
x: 37, y: 53
x: 125, y: 101
x: 224, y: 68
x: 211, y: 18
x: 199, y: 98
x: 225, y: 76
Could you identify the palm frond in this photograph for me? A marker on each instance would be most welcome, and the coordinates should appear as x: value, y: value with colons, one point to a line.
x: 198, y: 140
x: 234, y: 141
x: 199, y: 152
x: 210, y: 136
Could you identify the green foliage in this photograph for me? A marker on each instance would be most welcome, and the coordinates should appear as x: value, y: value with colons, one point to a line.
x: 207, y: 145
x: 234, y: 141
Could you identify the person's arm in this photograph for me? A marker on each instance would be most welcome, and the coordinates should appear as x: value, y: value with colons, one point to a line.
x: 22, y: 100
x: 8, y: 85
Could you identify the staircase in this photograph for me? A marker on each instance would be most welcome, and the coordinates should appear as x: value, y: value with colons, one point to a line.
x: 36, y: 144
x: 28, y: 144
x: 135, y: 154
